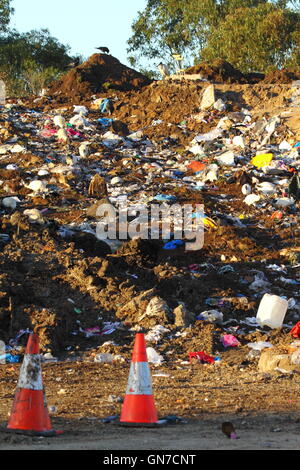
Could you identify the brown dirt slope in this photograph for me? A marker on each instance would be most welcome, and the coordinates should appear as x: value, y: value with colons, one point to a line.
x: 99, y: 73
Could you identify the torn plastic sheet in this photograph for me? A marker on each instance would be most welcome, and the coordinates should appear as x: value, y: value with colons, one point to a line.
x: 14, y: 342
x: 202, y: 357
x: 97, y: 331
x: 230, y: 341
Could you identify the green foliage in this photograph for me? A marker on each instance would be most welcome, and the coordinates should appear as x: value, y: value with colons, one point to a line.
x: 181, y: 26
x: 251, y: 34
x: 251, y: 39
x: 29, y: 61
x: 35, y: 77
x: 5, y: 12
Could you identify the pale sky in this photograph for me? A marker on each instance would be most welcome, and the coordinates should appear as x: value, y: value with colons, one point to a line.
x: 82, y: 24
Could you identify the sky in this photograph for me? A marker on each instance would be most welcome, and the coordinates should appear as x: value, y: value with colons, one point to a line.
x: 81, y: 24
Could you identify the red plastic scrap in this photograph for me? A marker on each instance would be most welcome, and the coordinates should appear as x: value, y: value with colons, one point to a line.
x: 202, y: 357
x: 196, y: 166
x: 295, y: 331
x: 278, y: 215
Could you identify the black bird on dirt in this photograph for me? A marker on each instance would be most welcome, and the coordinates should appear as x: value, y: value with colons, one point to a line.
x: 103, y: 49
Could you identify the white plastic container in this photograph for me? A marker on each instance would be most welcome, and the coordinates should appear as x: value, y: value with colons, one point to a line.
x: 271, y: 311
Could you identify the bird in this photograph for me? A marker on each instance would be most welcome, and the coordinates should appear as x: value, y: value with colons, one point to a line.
x: 103, y: 49
x: 163, y: 69
x: 228, y: 430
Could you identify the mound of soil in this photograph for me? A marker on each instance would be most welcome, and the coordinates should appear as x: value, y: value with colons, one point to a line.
x: 281, y: 76
x: 100, y: 73
x: 218, y: 71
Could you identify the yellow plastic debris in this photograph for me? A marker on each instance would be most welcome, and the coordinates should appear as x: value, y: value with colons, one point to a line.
x: 209, y: 222
x: 262, y: 160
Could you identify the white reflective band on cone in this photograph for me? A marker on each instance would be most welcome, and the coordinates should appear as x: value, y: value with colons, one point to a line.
x: 139, y: 380
x: 30, y: 373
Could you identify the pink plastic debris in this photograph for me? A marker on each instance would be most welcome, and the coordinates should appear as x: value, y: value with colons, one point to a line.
x: 47, y: 132
x: 229, y: 341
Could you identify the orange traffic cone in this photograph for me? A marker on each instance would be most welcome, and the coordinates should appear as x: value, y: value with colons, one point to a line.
x: 29, y: 412
x: 138, y: 406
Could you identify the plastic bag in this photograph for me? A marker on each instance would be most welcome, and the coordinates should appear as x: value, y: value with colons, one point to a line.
x: 295, y: 331
x: 153, y: 356
x: 230, y: 341
x: 173, y: 245
x: 202, y: 357
x: 262, y: 160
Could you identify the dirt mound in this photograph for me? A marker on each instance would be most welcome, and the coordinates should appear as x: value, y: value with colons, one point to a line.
x: 100, y: 73
x: 218, y: 71
x: 282, y: 76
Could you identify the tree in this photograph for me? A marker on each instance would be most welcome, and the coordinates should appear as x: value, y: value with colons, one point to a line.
x: 5, y: 13
x: 170, y: 26
x: 30, y: 58
x: 257, y: 39
x: 235, y: 30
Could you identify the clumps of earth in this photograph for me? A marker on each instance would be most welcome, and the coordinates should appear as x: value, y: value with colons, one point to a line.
x: 105, y: 74
x: 221, y: 71
x: 100, y: 73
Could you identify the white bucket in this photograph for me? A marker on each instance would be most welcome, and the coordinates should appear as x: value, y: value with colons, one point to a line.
x: 271, y: 311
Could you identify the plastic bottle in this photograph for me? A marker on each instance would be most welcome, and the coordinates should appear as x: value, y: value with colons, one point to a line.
x: 271, y: 311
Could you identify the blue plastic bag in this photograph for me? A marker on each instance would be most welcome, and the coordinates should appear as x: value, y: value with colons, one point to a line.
x: 105, y: 122
x: 173, y: 244
x: 10, y: 359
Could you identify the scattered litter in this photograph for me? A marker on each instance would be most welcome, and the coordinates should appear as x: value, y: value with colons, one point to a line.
x: 259, y: 345
x: 230, y: 341
x: 154, y: 357
x: 202, y: 357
